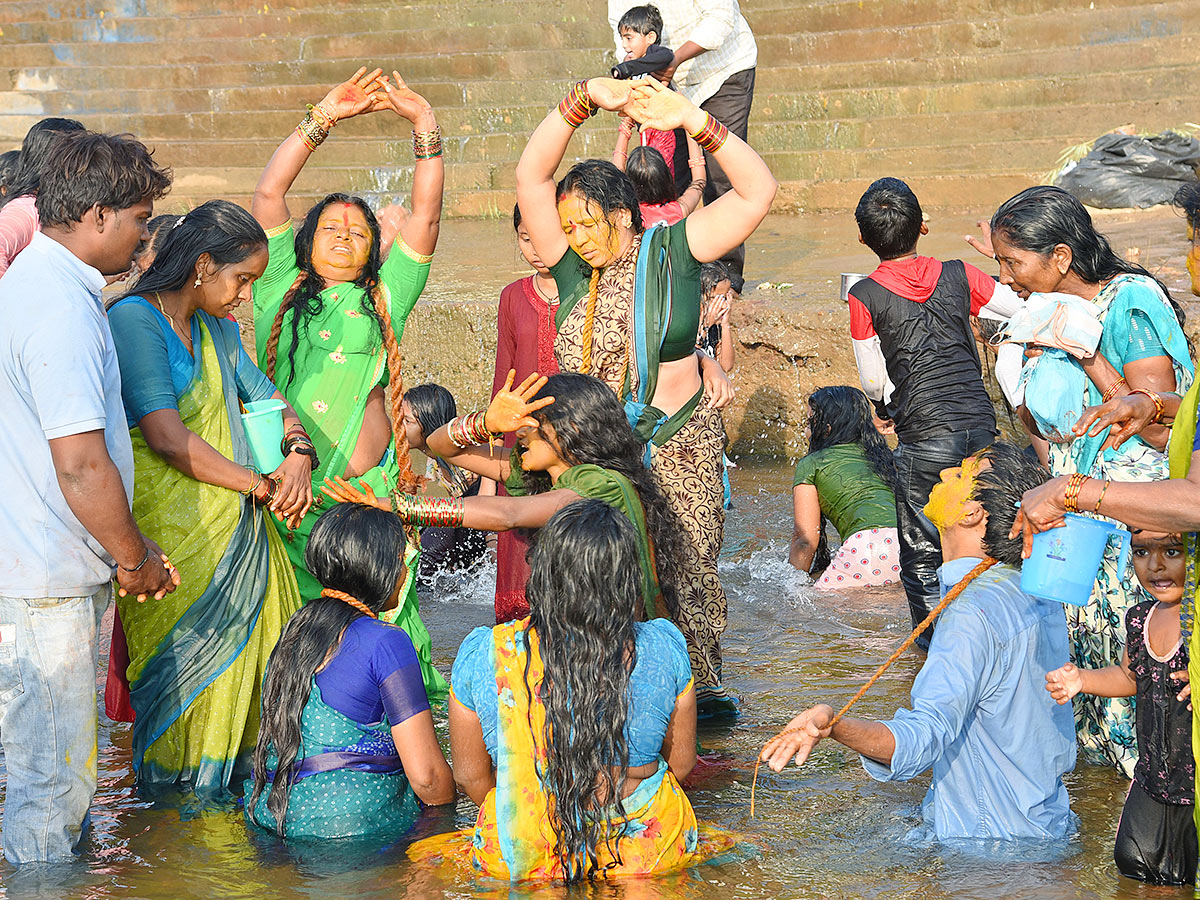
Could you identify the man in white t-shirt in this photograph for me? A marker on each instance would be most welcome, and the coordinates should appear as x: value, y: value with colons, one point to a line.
x: 65, y: 521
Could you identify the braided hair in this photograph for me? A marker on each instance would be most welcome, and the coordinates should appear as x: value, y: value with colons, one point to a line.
x: 304, y: 300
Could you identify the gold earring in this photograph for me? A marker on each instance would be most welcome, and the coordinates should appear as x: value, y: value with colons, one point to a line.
x: 197, y: 282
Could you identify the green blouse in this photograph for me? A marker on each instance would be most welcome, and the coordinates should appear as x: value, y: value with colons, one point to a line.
x: 851, y: 494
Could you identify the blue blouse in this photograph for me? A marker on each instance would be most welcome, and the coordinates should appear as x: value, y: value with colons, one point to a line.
x: 662, y: 673
x: 375, y: 671
x: 156, y: 367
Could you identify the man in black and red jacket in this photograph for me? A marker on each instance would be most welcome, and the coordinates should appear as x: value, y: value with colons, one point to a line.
x: 917, y: 360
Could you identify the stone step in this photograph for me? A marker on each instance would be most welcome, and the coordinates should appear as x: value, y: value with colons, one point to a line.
x: 1042, y: 29
x: 771, y: 106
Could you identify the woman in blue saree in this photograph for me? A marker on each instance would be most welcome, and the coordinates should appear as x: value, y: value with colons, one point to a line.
x: 196, y: 657
x: 1045, y: 242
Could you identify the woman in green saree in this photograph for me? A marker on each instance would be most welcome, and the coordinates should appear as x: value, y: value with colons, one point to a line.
x: 329, y: 315
x: 573, y: 443
x: 196, y: 657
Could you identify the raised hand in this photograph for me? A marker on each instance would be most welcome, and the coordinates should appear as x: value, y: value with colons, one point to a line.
x: 341, y: 491
x: 982, y: 244
x: 511, y: 407
x: 354, y: 96
x: 652, y: 103
x: 400, y: 98
x: 797, y: 741
x: 1064, y: 683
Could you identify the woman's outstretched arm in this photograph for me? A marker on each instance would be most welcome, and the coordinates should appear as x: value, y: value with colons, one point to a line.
x: 420, y: 232
x: 348, y: 99
x: 806, y: 531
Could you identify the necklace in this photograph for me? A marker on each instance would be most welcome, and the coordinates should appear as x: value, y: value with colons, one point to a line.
x: 186, y: 338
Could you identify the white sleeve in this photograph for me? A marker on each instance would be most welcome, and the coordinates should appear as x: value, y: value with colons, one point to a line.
x: 1004, y: 304
x: 872, y: 369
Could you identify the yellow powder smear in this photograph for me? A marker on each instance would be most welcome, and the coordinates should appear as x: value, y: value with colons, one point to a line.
x: 950, y: 495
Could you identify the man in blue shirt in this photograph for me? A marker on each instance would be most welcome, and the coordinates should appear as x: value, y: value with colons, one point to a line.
x: 981, y: 718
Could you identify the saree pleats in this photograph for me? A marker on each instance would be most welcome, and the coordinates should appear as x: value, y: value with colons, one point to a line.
x: 689, y: 467
x: 198, y: 655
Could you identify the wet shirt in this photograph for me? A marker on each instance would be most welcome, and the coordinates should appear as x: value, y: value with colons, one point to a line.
x: 662, y: 672
x: 852, y: 495
x: 1165, y: 768
x: 982, y: 718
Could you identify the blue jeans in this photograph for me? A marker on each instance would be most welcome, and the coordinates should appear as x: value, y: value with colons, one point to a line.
x: 918, y: 468
x: 49, y: 651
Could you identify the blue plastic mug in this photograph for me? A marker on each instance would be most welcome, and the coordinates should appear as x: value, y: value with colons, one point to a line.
x: 1064, y: 561
x: 263, y: 420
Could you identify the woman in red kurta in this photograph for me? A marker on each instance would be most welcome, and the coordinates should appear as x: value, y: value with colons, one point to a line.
x: 525, y: 342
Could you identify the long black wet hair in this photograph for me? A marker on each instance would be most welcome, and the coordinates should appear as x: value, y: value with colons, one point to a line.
x: 355, y: 549
x: 841, y: 414
x: 590, y: 427
x: 652, y: 180
x: 584, y: 591
x: 36, y: 156
x: 305, y: 299
x: 1041, y: 217
x: 223, y: 230
x: 432, y: 406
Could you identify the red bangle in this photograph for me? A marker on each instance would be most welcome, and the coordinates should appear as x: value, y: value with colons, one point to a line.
x: 577, y: 107
x: 712, y: 136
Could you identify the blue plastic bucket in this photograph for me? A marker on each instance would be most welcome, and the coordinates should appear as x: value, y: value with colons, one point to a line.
x: 1064, y: 561
x: 263, y: 420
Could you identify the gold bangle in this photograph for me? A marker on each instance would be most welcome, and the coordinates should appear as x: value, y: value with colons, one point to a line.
x: 1100, y: 499
x: 1111, y: 390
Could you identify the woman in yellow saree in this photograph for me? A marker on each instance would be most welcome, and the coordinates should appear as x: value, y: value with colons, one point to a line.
x: 571, y: 784
x: 196, y: 657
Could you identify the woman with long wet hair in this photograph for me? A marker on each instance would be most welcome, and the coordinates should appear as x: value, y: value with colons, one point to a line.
x: 1045, y: 242
x: 573, y: 727
x: 347, y: 745
x: 629, y: 312
x: 847, y: 477
x: 329, y: 315
x: 573, y: 443
x: 195, y: 657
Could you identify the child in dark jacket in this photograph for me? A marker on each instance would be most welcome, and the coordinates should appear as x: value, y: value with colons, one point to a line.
x: 916, y: 356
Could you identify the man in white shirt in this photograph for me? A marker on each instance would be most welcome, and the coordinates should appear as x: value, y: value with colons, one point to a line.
x: 65, y: 521
x: 714, y: 65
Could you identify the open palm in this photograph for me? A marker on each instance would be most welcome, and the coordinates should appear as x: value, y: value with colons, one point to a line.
x: 511, y: 408
x: 354, y: 96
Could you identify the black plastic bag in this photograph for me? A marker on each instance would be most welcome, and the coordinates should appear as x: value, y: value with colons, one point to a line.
x: 1124, y: 170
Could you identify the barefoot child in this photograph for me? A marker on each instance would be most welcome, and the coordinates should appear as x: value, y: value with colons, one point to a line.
x: 1156, y: 838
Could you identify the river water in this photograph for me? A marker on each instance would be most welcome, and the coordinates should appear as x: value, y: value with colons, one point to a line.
x: 824, y: 831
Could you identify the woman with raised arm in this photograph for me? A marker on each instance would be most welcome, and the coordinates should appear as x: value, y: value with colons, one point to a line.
x: 572, y: 443
x: 629, y: 310
x: 195, y: 657
x: 328, y: 315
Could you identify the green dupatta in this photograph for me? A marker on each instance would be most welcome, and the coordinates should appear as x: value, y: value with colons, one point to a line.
x: 598, y: 483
